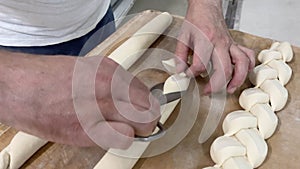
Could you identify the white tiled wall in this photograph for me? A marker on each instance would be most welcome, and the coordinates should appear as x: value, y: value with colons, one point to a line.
x: 276, y: 19
x: 176, y: 7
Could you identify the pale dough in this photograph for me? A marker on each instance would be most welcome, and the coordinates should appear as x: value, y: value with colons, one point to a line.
x: 261, y: 73
x: 274, y: 45
x: 225, y: 147
x: 278, y: 93
x: 211, y: 168
x: 286, y: 51
x: 269, y: 79
x: 169, y: 65
x: 266, y: 118
x: 237, y: 163
x: 265, y: 56
x: 252, y: 96
x: 283, y: 69
x: 21, y: 148
x: 237, y: 120
x: 176, y: 82
x: 256, y: 146
x: 132, y: 49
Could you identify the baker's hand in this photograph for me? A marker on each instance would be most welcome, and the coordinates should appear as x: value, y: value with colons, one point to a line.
x: 204, y: 31
x: 96, y: 104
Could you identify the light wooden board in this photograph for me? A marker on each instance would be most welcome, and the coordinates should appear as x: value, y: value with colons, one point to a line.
x: 188, y: 154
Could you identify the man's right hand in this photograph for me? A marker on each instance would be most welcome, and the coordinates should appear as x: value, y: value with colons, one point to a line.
x: 43, y: 96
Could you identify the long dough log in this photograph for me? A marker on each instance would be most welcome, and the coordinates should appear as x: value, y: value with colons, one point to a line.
x: 20, y: 149
x: 128, y: 53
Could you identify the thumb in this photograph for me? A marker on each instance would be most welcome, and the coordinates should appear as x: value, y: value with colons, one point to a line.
x: 182, y: 51
x: 108, y: 134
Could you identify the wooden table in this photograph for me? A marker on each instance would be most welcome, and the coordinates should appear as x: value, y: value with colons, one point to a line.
x: 188, y: 154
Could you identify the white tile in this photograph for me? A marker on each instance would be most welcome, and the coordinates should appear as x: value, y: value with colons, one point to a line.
x: 177, y: 7
x: 276, y: 19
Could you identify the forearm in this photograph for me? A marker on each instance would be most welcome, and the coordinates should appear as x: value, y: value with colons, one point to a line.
x: 23, y: 78
x: 206, y: 6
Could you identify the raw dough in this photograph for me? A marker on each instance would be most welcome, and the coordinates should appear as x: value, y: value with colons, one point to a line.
x: 132, y: 49
x: 265, y: 56
x: 237, y: 120
x: 286, y: 51
x: 278, y: 93
x: 261, y: 73
x: 257, y: 148
x: 237, y: 163
x: 169, y: 65
x: 176, y: 82
x: 283, y: 69
x: 269, y: 78
x: 274, y: 45
x: 266, y: 118
x: 21, y: 148
x: 225, y: 147
x: 252, y: 96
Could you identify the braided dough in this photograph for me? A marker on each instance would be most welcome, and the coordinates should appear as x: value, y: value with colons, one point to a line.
x: 247, y: 129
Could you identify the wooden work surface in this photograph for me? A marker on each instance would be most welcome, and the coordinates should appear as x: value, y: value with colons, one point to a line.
x: 188, y: 154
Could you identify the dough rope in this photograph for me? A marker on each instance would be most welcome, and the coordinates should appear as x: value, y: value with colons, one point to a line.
x: 20, y: 149
x: 243, y: 144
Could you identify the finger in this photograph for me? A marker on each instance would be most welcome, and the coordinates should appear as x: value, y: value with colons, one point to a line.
x: 250, y: 54
x: 109, y: 134
x: 182, y: 52
x: 130, y: 89
x: 222, y: 72
x: 143, y: 122
x: 201, y: 59
x: 241, y: 62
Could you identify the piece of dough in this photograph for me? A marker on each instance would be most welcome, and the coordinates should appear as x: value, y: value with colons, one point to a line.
x: 132, y: 49
x: 4, y: 159
x: 265, y: 56
x: 251, y: 96
x: 283, y: 69
x: 261, y: 73
x: 266, y: 118
x: 257, y: 148
x: 237, y: 120
x: 21, y: 148
x: 278, y: 94
x: 225, y: 147
x: 170, y: 65
x: 211, y: 168
x: 176, y: 82
x: 237, y: 163
x: 274, y: 45
x: 286, y: 51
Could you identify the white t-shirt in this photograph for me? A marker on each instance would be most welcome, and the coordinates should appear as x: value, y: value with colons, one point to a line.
x: 46, y: 22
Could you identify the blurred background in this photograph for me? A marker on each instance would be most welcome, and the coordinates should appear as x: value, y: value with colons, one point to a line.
x: 275, y: 19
